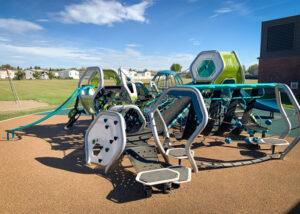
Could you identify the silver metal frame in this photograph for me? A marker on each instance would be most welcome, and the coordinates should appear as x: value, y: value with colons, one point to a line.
x: 292, y: 98
x: 124, y: 83
x: 200, y: 127
x: 214, y: 76
x: 120, y: 108
x: 94, y: 70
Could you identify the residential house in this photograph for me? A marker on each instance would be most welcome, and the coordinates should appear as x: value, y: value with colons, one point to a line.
x: 29, y: 74
x: 139, y: 75
x: 69, y: 74
x: 4, y: 74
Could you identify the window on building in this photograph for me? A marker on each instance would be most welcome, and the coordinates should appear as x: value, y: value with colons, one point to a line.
x: 280, y: 37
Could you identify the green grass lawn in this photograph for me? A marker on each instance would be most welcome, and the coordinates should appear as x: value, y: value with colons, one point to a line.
x: 53, y: 92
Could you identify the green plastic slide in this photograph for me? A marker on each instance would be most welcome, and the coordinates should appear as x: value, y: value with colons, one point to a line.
x: 52, y: 113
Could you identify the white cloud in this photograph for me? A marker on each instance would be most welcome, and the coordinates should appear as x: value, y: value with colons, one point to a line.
x: 18, y: 25
x: 58, y: 56
x: 194, y: 41
x: 132, y: 45
x: 230, y: 7
x: 4, y: 39
x: 42, y: 20
x: 104, y: 12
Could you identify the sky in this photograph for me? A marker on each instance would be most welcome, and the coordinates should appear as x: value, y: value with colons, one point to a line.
x: 138, y: 34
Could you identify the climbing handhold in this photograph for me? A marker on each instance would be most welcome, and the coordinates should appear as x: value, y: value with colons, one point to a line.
x: 268, y: 122
x: 248, y: 140
x: 251, y: 132
x: 256, y: 140
x: 228, y: 140
x: 239, y: 124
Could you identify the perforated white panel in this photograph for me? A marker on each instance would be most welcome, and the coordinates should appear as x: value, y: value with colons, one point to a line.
x: 105, y: 139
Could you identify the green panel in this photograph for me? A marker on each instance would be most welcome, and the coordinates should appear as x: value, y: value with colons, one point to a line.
x: 206, y: 68
x: 232, y: 68
x: 112, y: 76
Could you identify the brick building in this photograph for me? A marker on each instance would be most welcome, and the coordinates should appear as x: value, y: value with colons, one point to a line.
x: 279, y: 59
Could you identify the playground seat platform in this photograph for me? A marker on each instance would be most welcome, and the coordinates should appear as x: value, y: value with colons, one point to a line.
x: 157, y: 176
x: 184, y: 174
x: 275, y: 142
x: 178, y: 153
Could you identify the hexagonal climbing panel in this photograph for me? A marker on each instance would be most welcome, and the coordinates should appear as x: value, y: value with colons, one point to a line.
x: 206, y: 68
x: 105, y: 139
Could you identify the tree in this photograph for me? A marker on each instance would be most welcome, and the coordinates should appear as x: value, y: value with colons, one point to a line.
x: 36, y: 75
x: 176, y: 67
x: 37, y: 67
x: 253, y: 69
x: 51, y: 75
x: 7, y: 66
x: 19, y: 75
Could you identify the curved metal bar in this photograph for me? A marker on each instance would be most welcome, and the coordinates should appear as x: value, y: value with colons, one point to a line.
x: 119, y: 108
x: 156, y: 136
x: 295, y: 104
x: 132, y: 94
x: 198, y: 130
x: 201, y: 111
x: 287, y: 128
x: 89, y: 74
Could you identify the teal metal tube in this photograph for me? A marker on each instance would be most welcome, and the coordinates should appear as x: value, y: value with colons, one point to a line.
x: 233, y: 86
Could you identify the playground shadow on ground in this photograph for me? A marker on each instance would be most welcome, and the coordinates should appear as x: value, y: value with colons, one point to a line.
x: 71, y: 142
x: 247, y: 151
x: 125, y: 188
x: 59, y: 138
x: 295, y: 209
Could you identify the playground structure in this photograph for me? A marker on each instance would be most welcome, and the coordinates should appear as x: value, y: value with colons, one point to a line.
x: 164, y: 80
x: 216, y: 103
